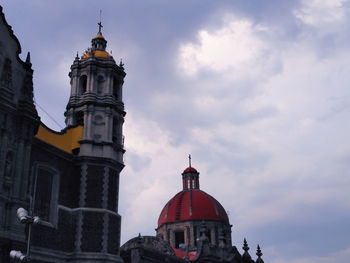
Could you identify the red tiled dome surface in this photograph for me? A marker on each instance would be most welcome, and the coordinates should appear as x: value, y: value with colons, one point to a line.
x: 192, y: 205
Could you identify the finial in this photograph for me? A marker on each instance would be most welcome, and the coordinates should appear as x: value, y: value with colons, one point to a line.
x: 189, y: 160
x: 246, y: 257
x: 100, y: 23
x: 139, y: 239
x: 28, y: 58
x: 77, y: 56
x: 245, y: 245
x: 259, y: 254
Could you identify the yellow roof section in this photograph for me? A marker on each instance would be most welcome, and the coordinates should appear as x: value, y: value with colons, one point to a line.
x: 66, y: 141
x: 97, y: 53
x: 99, y: 35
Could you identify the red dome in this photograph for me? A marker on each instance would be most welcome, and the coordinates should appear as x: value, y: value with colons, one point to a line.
x: 190, y: 170
x: 192, y: 205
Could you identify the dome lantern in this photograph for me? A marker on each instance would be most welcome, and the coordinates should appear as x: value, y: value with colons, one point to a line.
x: 190, y: 177
x: 99, y: 42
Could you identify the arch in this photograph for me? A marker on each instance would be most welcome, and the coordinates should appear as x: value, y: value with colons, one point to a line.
x: 82, y: 84
x: 100, y: 80
x: 115, y: 129
x: 115, y: 88
x: 79, y: 118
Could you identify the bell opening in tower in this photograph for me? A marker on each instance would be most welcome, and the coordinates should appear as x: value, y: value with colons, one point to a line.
x: 83, y: 84
x: 115, y: 88
x: 179, y: 238
x: 79, y: 118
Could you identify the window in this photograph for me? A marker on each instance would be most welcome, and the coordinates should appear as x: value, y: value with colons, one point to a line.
x: 115, y: 88
x: 115, y: 131
x: 179, y: 238
x: 79, y: 118
x: 100, y: 81
x: 82, y: 84
x: 45, y: 193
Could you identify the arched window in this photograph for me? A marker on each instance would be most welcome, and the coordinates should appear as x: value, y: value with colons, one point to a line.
x: 115, y: 132
x: 45, y: 193
x: 115, y: 88
x: 82, y: 84
x: 100, y: 80
x: 79, y: 118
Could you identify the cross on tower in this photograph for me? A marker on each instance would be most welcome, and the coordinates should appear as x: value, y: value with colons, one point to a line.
x: 100, y: 23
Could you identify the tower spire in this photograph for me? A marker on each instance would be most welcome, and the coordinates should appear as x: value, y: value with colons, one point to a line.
x: 189, y: 160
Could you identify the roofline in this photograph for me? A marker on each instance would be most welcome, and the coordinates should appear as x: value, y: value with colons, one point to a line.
x: 13, y: 36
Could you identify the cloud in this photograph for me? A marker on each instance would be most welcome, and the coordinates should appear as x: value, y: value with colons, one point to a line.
x: 342, y: 255
x: 231, y: 47
x: 285, y: 160
x: 321, y: 12
x: 148, y: 178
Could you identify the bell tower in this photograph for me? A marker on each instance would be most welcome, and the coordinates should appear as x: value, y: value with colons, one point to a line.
x: 96, y: 101
x: 96, y: 104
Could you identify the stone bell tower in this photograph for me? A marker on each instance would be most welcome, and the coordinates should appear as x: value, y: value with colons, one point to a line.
x: 96, y: 101
x: 96, y: 104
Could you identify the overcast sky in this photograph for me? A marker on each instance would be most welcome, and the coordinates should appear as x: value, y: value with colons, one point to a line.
x: 257, y: 91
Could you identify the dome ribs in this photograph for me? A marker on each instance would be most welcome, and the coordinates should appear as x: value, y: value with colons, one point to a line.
x: 179, y: 206
x: 214, y: 202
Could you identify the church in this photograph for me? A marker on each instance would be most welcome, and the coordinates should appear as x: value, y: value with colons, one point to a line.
x: 59, y: 190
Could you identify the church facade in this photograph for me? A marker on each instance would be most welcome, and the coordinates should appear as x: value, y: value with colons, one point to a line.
x: 70, y: 179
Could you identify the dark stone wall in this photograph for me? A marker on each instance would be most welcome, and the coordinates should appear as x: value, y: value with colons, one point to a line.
x: 94, y: 186
x: 92, y: 232
x: 114, y: 234
x: 70, y: 188
x: 61, y: 234
x: 113, y: 187
x: 61, y: 238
